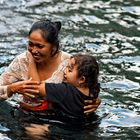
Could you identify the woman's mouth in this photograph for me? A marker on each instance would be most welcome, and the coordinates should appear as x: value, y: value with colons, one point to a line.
x: 37, y: 57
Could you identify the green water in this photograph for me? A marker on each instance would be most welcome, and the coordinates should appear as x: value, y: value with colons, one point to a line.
x: 108, y: 29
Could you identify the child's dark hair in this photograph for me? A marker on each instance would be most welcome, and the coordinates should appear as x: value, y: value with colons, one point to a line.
x: 49, y: 31
x: 89, y: 68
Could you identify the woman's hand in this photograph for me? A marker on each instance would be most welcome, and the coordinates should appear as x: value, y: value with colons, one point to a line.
x: 91, y: 106
x: 29, y: 88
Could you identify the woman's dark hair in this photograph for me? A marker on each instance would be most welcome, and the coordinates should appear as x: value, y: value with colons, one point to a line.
x: 49, y: 31
x: 89, y: 68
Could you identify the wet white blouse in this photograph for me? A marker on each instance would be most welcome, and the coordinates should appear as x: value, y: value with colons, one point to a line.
x: 18, y: 70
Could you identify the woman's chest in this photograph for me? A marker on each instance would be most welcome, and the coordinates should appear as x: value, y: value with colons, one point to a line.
x: 51, y: 75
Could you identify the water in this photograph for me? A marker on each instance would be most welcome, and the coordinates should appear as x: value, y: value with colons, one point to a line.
x: 109, y: 29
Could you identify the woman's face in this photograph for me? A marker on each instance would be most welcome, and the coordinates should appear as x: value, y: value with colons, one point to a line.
x: 39, y: 48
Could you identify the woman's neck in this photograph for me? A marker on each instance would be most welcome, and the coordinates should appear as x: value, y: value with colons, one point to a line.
x: 49, y: 61
x: 47, y: 68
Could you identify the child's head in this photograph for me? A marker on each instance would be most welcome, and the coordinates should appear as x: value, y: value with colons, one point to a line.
x: 83, y: 71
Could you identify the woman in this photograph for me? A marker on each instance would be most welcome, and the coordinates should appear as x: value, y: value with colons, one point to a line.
x: 44, y: 46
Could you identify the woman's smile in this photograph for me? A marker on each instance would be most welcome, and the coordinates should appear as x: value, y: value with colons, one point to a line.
x: 36, y: 56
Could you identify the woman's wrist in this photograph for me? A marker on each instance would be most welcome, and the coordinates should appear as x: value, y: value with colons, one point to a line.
x: 10, y: 90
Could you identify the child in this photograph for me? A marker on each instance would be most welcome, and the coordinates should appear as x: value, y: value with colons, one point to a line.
x: 80, y: 83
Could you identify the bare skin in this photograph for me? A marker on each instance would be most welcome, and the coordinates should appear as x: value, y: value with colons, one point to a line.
x: 90, y: 107
x: 41, y: 52
x: 23, y: 87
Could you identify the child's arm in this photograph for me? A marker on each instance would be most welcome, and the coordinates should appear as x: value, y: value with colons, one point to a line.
x: 32, y: 70
x: 42, y: 90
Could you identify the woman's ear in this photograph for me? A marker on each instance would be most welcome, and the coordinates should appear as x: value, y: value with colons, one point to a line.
x: 53, y: 51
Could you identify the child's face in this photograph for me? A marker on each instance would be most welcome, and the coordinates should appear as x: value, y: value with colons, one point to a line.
x: 71, y: 73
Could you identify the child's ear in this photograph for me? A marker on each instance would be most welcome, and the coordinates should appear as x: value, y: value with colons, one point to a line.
x: 82, y: 80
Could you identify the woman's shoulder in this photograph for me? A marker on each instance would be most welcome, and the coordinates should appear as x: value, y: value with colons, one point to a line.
x: 22, y: 56
x: 65, y: 55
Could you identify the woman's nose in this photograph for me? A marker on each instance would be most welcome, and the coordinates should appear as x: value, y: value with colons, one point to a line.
x: 34, y: 49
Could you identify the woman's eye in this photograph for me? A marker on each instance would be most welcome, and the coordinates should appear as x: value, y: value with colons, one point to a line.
x: 30, y: 44
x: 39, y: 46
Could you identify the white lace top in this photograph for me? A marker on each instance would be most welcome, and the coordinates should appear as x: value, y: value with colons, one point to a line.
x: 18, y: 70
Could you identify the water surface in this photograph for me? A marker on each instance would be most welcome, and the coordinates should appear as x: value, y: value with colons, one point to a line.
x: 107, y: 29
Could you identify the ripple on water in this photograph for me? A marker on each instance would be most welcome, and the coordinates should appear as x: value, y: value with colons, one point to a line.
x: 4, y: 129
x: 127, y: 63
x: 108, y: 29
x: 35, y: 3
x: 123, y: 85
x: 132, y: 9
x: 121, y: 117
x: 121, y: 59
x: 96, y: 48
x: 125, y: 16
x: 3, y: 29
x: 4, y: 137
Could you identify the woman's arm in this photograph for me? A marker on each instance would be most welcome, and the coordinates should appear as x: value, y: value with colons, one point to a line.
x: 29, y: 88
x: 16, y: 71
x: 91, y: 106
x: 3, y: 93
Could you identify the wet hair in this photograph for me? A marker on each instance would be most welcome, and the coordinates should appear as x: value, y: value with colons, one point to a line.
x: 88, y: 67
x: 49, y: 31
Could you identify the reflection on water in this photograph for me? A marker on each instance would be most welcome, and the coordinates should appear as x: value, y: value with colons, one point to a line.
x: 109, y: 29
